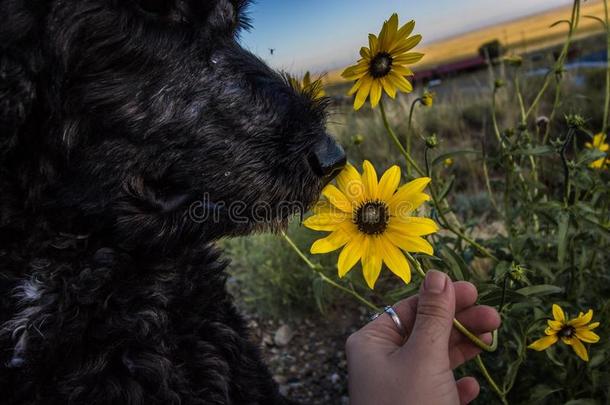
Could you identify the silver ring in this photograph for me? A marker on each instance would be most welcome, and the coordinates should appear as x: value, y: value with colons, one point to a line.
x: 390, y: 311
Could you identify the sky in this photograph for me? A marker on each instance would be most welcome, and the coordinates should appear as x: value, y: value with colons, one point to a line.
x: 322, y: 35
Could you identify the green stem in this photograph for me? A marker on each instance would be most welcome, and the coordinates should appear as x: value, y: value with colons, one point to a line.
x: 490, y: 380
x: 520, y: 98
x: 566, y: 168
x: 607, y: 103
x: 457, y: 324
x: 411, y: 162
x: 561, y: 59
x: 408, y: 135
x: 318, y: 269
x: 396, y: 141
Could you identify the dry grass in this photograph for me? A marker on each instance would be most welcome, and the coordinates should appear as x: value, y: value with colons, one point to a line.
x: 523, y: 35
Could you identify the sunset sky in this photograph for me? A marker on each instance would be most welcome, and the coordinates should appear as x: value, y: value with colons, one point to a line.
x: 320, y: 35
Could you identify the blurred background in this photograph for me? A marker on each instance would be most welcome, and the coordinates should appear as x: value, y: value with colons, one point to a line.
x: 301, y: 323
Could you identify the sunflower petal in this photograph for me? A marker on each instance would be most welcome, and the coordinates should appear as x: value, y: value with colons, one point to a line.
x: 375, y: 93
x: 389, y: 183
x: 593, y: 325
x: 330, y: 243
x: 403, y: 209
x: 414, y: 244
x: 350, y: 184
x: 406, y: 29
x: 395, y: 260
x: 408, y: 58
x: 580, y: 349
x: 582, y: 319
x: 371, y: 262
x: 355, y: 87
x: 402, y: 70
x: 405, y: 45
x: 326, y: 222
x: 400, y: 82
x: 558, y: 314
x: 586, y: 335
x: 412, y: 226
x: 337, y: 198
x: 349, y: 256
x: 363, y: 92
x: 369, y: 178
x: 409, y: 190
x: 543, y: 343
x: 365, y: 52
x: 373, y: 43
x: 355, y: 72
x: 387, y: 87
x: 555, y: 325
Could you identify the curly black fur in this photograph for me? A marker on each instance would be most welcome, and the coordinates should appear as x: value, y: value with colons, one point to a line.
x: 115, y: 117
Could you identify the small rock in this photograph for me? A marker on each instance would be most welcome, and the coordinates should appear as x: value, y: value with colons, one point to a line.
x: 335, y: 379
x: 283, y: 335
x: 280, y: 379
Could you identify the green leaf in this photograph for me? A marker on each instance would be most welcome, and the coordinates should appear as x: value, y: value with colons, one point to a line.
x: 582, y: 401
x: 538, y: 290
x: 540, y: 392
x: 537, y: 151
x: 562, y: 236
x: 455, y: 263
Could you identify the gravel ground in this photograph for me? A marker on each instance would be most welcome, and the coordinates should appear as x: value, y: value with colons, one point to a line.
x: 307, y: 358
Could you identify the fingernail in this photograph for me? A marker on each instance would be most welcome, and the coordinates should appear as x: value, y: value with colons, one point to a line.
x: 435, y: 282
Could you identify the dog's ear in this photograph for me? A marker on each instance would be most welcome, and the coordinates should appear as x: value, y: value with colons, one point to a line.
x: 20, y: 64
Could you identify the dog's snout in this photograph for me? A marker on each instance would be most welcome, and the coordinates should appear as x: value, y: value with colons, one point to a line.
x: 327, y: 158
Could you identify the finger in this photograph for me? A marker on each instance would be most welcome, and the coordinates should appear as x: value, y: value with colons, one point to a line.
x: 383, y: 327
x: 433, y: 323
x: 478, y: 319
x: 468, y: 389
x: 465, y: 296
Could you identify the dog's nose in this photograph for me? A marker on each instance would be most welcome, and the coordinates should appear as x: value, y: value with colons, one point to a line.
x: 327, y: 158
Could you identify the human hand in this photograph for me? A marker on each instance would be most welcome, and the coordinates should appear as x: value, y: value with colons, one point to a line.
x: 387, y: 368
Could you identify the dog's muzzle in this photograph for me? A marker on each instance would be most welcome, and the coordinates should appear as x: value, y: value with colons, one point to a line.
x: 327, y: 158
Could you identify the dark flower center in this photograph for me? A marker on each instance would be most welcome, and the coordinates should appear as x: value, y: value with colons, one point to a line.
x: 381, y: 65
x: 372, y: 217
x: 567, y: 332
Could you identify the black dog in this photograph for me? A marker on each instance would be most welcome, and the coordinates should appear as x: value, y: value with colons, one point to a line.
x: 130, y: 130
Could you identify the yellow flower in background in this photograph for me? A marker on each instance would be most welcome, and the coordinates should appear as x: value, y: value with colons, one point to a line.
x: 371, y: 220
x: 571, y: 331
x: 383, y: 63
x: 448, y: 162
x: 307, y: 85
x: 427, y: 99
x: 599, y: 143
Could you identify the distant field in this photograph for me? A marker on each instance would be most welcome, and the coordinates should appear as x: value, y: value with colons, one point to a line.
x: 523, y: 35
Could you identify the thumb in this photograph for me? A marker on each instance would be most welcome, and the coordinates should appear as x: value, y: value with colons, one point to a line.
x: 433, y: 322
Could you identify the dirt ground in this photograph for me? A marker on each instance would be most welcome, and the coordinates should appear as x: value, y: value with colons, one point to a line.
x: 307, y: 358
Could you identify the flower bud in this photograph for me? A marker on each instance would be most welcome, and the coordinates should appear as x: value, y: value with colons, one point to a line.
x: 575, y: 121
x: 514, y: 60
x: 499, y: 83
x: 432, y: 141
x: 357, y: 139
x: 427, y: 99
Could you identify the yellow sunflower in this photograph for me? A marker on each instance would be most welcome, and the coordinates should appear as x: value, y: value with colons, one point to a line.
x: 571, y: 331
x: 307, y: 85
x: 371, y: 220
x: 383, y: 63
x: 599, y: 143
